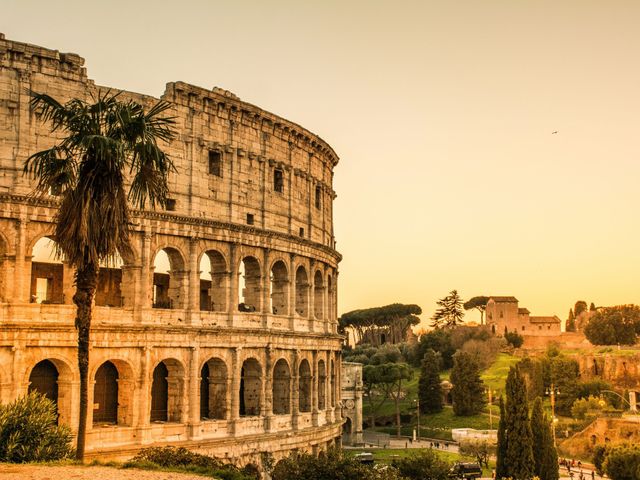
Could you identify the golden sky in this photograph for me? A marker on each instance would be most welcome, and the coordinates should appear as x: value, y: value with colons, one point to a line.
x: 443, y: 114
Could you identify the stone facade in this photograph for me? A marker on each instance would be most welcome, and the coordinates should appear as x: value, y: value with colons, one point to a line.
x: 503, y: 313
x: 352, y: 390
x: 232, y: 349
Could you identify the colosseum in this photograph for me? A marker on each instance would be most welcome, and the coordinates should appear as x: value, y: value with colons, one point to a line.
x: 219, y: 333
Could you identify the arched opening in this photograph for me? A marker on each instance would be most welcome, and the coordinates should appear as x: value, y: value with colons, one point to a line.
x: 318, y: 295
x: 322, y: 385
x: 47, y: 273
x: 167, y: 392
x: 108, y: 291
x: 105, y: 395
x: 168, y: 279
x: 279, y: 289
x: 281, y: 388
x: 329, y: 298
x: 44, y: 380
x: 347, y: 429
x: 249, y: 285
x: 250, y: 388
x: 213, y: 282
x: 383, y: 339
x: 333, y: 385
x: 213, y: 390
x: 304, y: 379
x: 302, y: 292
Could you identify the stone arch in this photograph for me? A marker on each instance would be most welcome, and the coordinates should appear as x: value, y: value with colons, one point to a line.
x: 322, y: 385
x: 281, y: 388
x: 304, y: 386
x: 279, y: 288
x: 105, y: 394
x: 250, y: 388
x: 167, y: 391
x: 302, y: 291
x: 108, y: 290
x: 53, y: 378
x: 250, y: 285
x: 169, y: 279
x: 214, y: 281
x: 318, y: 295
x: 123, y: 393
x: 213, y: 390
x: 47, y: 273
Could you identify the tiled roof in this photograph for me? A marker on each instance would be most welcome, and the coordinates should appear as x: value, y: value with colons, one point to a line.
x: 523, y: 310
x: 552, y: 319
x: 504, y: 299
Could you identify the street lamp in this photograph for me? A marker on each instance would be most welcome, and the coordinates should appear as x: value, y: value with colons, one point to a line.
x: 490, y: 394
x: 552, y: 392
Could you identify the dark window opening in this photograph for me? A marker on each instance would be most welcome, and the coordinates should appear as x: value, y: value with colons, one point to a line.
x: 278, y: 180
x: 250, y: 219
x: 215, y: 163
x: 301, y: 232
x: 318, y: 197
x: 171, y: 204
x: 55, y: 190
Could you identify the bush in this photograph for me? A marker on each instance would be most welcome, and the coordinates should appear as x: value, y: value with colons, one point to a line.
x: 599, y: 456
x: 180, y: 457
x: 29, y: 431
x: 590, y: 406
x: 514, y: 339
x: 623, y: 463
x: 424, y: 465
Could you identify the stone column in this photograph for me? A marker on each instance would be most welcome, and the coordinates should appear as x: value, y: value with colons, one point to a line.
x: 194, y: 283
x: 232, y: 302
x: 236, y: 371
x: 146, y: 275
x: 130, y: 286
x: 267, y: 311
x: 144, y: 397
x: 326, y: 317
x: 68, y: 290
x: 22, y: 269
x: 194, y: 394
x: 338, y: 393
x: 18, y: 370
x: 178, y: 289
x: 268, y: 397
x: 295, y: 390
x: 292, y: 290
x: 314, y: 389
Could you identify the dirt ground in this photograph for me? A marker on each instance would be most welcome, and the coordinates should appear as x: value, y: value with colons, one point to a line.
x: 73, y: 472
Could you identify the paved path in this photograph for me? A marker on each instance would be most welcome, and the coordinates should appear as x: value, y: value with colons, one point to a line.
x: 73, y: 472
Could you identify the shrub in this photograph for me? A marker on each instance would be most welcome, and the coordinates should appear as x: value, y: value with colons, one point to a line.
x: 29, y: 431
x: 425, y: 464
x: 180, y: 457
x: 514, y: 339
x: 590, y: 406
x: 599, y: 456
x: 623, y: 462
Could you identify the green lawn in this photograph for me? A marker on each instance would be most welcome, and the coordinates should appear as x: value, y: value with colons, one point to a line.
x: 496, y: 375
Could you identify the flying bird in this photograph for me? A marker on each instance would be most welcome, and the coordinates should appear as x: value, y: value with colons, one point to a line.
x: 553, y: 133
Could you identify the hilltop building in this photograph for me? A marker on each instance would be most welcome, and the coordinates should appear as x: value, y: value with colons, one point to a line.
x: 503, y: 314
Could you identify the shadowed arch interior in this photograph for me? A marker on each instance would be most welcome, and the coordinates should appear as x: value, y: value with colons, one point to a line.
x: 302, y: 291
x: 281, y: 388
x: 279, y: 289
x: 213, y: 390
x: 250, y: 388
x: 105, y: 394
x: 214, y: 282
x: 304, y: 379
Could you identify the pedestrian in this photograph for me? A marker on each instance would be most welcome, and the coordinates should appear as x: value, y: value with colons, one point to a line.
x: 493, y: 474
x: 593, y: 475
x: 581, y: 475
x: 579, y: 464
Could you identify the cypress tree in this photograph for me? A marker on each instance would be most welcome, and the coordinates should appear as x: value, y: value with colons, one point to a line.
x: 518, y: 460
x: 429, y: 388
x: 570, y: 326
x: 501, y: 449
x: 467, y: 394
x: 545, y: 457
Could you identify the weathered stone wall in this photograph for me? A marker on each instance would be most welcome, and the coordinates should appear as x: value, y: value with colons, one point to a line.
x: 285, y: 256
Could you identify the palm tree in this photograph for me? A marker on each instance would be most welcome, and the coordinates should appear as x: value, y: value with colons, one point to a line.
x: 102, y: 144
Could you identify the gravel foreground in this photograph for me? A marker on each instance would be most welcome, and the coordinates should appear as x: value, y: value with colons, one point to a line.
x: 73, y: 472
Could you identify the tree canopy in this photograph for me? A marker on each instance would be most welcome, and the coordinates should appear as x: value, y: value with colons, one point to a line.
x: 479, y: 303
x: 450, y: 311
x: 393, y: 320
x: 614, y: 325
x: 468, y: 392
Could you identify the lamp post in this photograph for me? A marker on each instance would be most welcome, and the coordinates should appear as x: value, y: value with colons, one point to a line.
x: 552, y: 391
x: 490, y: 393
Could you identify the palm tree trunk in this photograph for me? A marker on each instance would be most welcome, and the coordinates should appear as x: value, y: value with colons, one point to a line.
x: 86, y: 281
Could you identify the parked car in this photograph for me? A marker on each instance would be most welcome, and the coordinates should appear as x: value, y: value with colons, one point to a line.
x: 465, y: 471
x: 365, y: 458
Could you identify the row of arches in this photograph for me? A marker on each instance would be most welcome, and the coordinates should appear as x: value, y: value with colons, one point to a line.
x: 290, y: 391
x: 286, y: 288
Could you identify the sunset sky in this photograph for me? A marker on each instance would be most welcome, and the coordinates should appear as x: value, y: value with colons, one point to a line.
x: 443, y: 114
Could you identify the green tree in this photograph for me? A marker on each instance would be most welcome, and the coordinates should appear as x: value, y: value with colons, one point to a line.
x: 439, y: 340
x: 623, y: 462
x: 514, y: 339
x: 570, y: 326
x: 450, y: 313
x: 614, y: 325
x: 479, y: 303
x: 545, y: 456
x: 429, y: 388
x: 468, y: 389
x: 100, y: 144
x: 501, y: 448
x: 518, y: 460
x: 531, y: 370
x: 579, y: 307
x: 424, y: 465
x: 392, y: 321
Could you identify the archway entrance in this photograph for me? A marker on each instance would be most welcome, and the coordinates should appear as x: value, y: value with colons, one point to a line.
x: 105, y: 395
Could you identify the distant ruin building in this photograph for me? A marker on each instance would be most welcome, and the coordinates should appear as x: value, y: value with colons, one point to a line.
x: 503, y: 314
x: 219, y: 332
